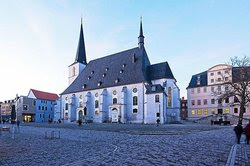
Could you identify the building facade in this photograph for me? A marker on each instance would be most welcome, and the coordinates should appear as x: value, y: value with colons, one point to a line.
x: 201, y: 91
x: 26, y: 109
x: 44, y: 105
x: 6, y: 109
x: 122, y: 87
x: 184, y: 108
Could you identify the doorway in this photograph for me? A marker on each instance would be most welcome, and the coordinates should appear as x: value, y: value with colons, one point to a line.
x: 80, y: 115
x: 115, y: 116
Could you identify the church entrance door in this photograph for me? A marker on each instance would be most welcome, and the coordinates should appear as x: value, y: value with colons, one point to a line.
x: 115, y: 115
x: 80, y: 115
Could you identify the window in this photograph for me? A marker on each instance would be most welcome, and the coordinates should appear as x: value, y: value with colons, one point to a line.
x: 212, y: 101
x: 96, y: 95
x: 199, y: 112
x: 199, y: 102
x: 157, y: 98
x: 99, y: 83
x: 114, y: 100
x: 205, y: 111
x: 66, y: 106
x: 25, y: 107
x: 198, y: 80
x: 135, y: 111
x: 107, y: 69
x: 236, y: 100
x: 104, y: 74
x: 219, y: 88
x: 212, y: 80
x: 117, y: 80
x: 219, y: 79
x: 227, y: 110
x: 114, y: 92
x: 212, y: 89
x: 158, y: 114
x: 205, y: 101
x: 193, y: 112
x: 80, y: 96
x: 219, y: 101
x: 42, y: 107
x: 96, y: 112
x: 121, y: 71
x: 192, y: 91
x: 169, y: 97
x: 153, y: 88
x: 92, y: 72
x: 40, y: 115
x: 236, y: 110
x: 135, y: 100
x: 89, y: 77
x: 34, y: 103
x: 204, y: 89
x: 227, y: 100
x: 123, y: 65
x: 212, y: 111
x: 51, y: 108
x: 134, y: 90
x: 96, y: 104
x: 226, y: 78
x: 226, y: 71
x: 46, y: 108
x: 211, y: 74
x: 198, y: 90
x: 39, y: 107
x: 193, y: 102
x: 218, y: 72
x: 226, y: 88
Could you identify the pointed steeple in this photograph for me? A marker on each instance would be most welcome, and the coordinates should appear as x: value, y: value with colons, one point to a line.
x: 81, y: 53
x: 141, y: 37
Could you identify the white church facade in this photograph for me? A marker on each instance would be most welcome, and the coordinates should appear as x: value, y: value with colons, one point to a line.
x: 123, y: 87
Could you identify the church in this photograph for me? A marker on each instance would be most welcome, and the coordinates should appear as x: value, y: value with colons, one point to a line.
x: 120, y: 88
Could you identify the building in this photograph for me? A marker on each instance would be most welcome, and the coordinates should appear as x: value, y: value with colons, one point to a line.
x: 184, y: 109
x: 57, y: 110
x: 6, y: 109
x: 44, y: 104
x: 123, y: 87
x: 26, y: 109
x: 201, y: 99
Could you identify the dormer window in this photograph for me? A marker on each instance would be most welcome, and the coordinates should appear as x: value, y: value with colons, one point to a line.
x: 92, y: 72
x: 89, y: 77
x: 84, y: 86
x: 153, y: 88
x: 117, y: 80
x: 104, y: 74
x: 121, y: 71
x: 99, y: 83
x: 198, y: 80
x: 107, y: 69
x: 123, y: 65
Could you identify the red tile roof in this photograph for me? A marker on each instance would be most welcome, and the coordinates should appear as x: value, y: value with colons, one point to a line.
x: 44, y: 95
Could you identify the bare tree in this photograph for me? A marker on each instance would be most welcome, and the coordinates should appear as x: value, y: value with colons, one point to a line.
x: 237, y: 84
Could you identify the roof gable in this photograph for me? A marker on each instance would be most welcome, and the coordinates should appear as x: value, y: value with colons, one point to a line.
x: 43, y: 95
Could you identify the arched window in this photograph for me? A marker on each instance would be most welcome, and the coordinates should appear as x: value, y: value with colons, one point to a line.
x: 66, y: 106
x: 169, y: 97
x: 114, y: 100
x: 135, y: 100
x: 96, y: 104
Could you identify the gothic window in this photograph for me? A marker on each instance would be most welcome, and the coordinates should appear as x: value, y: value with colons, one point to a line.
x: 157, y: 98
x: 135, y: 100
x: 114, y: 100
x: 66, y: 106
x: 169, y: 97
x: 96, y: 104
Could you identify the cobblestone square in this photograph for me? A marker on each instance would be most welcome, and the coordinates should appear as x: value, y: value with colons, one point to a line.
x: 120, y: 144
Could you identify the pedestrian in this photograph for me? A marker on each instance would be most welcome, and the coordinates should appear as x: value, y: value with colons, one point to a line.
x: 238, y: 131
x: 158, y: 122
x: 247, y: 132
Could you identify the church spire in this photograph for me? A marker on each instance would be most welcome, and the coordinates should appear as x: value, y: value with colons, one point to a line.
x: 141, y: 37
x: 81, y: 53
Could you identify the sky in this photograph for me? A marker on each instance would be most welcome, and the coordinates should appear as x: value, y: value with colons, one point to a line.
x: 38, y: 38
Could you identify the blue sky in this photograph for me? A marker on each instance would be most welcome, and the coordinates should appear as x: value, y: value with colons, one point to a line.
x: 38, y: 38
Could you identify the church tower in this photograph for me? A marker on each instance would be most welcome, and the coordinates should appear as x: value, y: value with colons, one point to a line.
x: 80, y: 62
